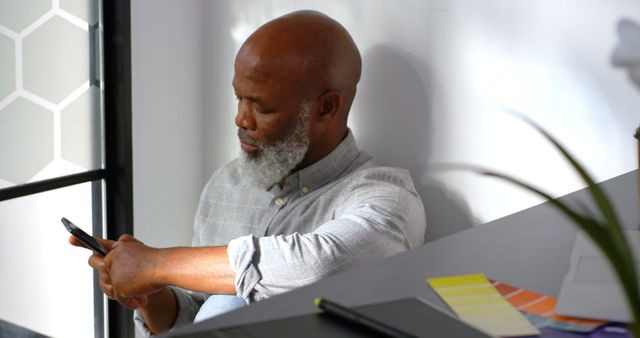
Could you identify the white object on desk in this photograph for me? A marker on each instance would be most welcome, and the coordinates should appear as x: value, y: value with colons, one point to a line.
x: 591, y: 289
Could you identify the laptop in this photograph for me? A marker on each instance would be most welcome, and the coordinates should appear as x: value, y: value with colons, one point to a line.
x: 414, y: 316
x: 591, y: 289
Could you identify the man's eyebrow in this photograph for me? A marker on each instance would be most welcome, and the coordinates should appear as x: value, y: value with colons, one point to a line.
x: 254, y: 99
x: 250, y: 98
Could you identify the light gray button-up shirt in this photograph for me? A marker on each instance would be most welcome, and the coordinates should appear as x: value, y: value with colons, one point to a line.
x: 342, y: 211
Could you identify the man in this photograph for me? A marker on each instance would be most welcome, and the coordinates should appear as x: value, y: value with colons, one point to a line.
x: 300, y: 203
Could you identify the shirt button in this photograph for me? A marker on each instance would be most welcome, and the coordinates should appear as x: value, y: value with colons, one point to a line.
x: 279, y: 201
x: 305, y: 189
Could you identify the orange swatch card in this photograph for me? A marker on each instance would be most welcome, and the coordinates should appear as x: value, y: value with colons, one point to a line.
x: 542, y: 306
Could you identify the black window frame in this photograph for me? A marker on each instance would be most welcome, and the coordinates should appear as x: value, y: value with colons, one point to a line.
x: 117, y: 175
x: 116, y: 16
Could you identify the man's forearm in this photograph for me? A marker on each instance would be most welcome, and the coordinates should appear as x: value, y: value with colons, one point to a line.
x: 161, y: 311
x: 197, y: 269
x: 137, y: 270
x: 201, y: 269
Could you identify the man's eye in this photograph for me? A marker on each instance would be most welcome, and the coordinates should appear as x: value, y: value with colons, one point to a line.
x: 264, y: 111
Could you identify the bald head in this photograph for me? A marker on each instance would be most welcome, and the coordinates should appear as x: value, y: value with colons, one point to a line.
x: 308, y: 49
x: 299, y: 69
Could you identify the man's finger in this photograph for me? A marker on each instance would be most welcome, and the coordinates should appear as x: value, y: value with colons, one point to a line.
x: 96, y: 261
x: 107, y: 244
x: 130, y: 303
x: 107, y: 289
x: 104, y: 279
x: 134, y: 302
x: 126, y: 238
x: 73, y: 240
x: 142, y: 300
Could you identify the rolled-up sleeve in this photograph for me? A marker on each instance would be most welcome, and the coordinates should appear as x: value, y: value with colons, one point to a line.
x: 373, y: 220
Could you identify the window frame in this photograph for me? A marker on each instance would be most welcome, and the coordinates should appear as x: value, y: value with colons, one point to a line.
x: 116, y: 178
x: 116, y: 16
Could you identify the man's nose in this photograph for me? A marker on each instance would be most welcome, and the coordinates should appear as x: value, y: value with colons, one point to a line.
x: 244, y: 117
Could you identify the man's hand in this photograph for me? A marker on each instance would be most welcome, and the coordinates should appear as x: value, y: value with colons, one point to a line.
x: 97, y: 262
x: 132, y: 266
x: 132, y: 271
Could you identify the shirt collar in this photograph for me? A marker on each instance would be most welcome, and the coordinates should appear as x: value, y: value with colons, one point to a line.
x: 326, y: 169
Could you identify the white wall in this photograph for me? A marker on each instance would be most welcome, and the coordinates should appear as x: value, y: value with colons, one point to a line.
x: 168, y: 107
x: 220, y: 106
x: 438, y: 79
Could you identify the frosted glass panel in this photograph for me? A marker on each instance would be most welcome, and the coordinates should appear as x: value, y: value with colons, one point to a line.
x: 17, y: 15
x: 26, y: 139
x: 83, y: 9
x: 50, y: 63
x: 79, y: 129
x: 7, y: 66
x: 46, y: 283
x: 56, y: 59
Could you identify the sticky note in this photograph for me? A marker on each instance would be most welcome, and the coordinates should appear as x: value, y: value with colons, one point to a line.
x: 476, y: 301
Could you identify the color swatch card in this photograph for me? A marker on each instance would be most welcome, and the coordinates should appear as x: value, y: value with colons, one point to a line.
x: 474, y: 299
x: 540, y: 310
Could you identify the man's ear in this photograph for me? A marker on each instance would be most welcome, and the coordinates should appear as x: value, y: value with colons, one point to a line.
x: 329, y: 105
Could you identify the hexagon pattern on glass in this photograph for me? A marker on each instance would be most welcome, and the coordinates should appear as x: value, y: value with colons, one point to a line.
x: 56, y: 59
x: 83, y: 9
x: 19, y: 15
x: 26, y: 140
x: 45, y: 93
x: 7, y: 66
x: 50, y: 108
x: 79, y: 125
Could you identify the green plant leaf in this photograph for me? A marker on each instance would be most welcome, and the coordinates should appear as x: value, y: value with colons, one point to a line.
x: 598, y: 195
x: 615, y: 249
x: 616, y: 244
x: 605, y: 230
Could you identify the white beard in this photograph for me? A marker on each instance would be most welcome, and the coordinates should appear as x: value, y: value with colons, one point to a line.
x: 275, y: 162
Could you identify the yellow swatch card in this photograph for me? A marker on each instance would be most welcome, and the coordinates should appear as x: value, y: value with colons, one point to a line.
x: 476, y: 301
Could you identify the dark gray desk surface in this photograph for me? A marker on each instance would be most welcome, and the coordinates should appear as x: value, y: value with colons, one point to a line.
x: 529, y: 249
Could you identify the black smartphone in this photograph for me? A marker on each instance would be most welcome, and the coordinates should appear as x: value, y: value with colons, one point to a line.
x: 84, y: 237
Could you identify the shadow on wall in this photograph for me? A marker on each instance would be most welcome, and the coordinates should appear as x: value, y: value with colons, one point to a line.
x: 394, y: 123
